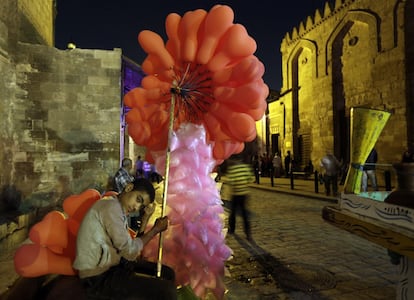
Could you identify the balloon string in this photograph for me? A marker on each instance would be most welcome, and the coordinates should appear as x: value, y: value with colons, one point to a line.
x: 165, y: 192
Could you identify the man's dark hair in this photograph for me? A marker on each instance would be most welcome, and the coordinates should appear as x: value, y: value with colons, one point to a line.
x: 144, y: 185
x: 126, y: 162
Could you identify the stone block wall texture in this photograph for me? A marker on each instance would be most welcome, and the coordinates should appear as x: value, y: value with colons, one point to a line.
x: 64, y: 120
x: 59, y: 117
x: 29, y: 21
x: 60, y: 114
x: 39, y: 15
x: 351, y: 54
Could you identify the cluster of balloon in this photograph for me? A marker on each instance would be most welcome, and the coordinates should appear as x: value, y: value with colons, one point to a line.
x: 208, y: 63
x: 53, y: 240
x: 194, y: 244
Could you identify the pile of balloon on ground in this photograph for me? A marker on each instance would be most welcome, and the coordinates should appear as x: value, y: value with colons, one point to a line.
x: 200, y: 98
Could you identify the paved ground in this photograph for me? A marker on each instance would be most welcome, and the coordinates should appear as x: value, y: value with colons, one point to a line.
x: 295, y: 254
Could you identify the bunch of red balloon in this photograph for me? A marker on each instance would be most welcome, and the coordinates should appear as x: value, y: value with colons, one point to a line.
x: 194, y: 244
x: 52, y: 246
x: 208, y: 64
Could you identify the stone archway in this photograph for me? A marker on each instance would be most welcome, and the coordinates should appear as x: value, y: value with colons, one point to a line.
x: 357, y: 30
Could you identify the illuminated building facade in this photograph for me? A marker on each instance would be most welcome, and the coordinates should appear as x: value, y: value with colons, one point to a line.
x: 353, y: 53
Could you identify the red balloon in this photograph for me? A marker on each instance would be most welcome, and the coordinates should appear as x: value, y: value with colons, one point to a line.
x: 234, y: 45
x: 77, y: 205
x: 136, y: 98
x: 188, y: 33
x: 51, y: 232
x: 247, y: 70
x: 172, y: 23
x: 32, y: 260
x: 242, y: 98
x: 217, y: 21
x: 152, y: 43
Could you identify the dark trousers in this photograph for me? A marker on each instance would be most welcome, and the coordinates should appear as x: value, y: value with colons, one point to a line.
x: 331, y: 180
x: 239, y: 202
x: 257, y: 175
x: 272, y: 175
x: 132, y: 280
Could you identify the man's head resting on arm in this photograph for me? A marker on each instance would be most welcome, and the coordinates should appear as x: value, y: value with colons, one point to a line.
x: 137, y: 195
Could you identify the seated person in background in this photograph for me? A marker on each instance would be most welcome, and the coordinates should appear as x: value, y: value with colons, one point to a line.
x: 107, y: 255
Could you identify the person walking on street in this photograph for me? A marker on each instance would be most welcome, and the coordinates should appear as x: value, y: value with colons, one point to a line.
x: 288, y: 159
x: 277, y: 164
x: 369, y: 172
x: 331, y: 167
x: 270, y: 169
x: 239, y: 174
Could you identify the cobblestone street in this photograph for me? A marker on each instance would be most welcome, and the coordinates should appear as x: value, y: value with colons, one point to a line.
x: 297, y: 255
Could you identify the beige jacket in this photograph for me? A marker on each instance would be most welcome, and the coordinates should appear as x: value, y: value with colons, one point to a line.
x: 103, y: 239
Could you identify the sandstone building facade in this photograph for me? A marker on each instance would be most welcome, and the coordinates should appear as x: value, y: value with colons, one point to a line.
x: 355, y: 53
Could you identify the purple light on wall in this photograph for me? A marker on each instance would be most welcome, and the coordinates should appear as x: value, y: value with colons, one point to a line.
x: 132, y: 75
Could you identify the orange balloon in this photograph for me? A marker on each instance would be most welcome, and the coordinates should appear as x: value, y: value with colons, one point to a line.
x: 32, y: 260
x: 239, y: 126
x: 134, y: 116
x: 152, y: 43
x: 137, y: 97
x: 70, y: 250
x: 51, y: 231
x: 242, y: 98
x: 73, y: 226
x: 83, y: 209
x: 149, y: 158
x: 152, y: 65
x: 234, y: 45
x: 224, y: 149
x: 140, y: 132
x: 258, y: 113
x: 212, y: 125
x: 247, y: 70
x: 73, y: 203
x: 171, y: 27
x: 218, y: 20
x: 151, y: 81
x: 188, y: 33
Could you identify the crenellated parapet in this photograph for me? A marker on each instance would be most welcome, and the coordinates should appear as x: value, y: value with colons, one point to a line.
x: 314, y: 21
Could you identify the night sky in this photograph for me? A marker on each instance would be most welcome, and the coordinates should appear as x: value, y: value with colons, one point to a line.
x: 108, y: 24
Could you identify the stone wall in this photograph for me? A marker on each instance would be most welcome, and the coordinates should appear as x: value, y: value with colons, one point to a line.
x: 65, y: 120
x: 37, y: 21
x: 347, y: 55
x: 59, y: 118
x: 29, y: 21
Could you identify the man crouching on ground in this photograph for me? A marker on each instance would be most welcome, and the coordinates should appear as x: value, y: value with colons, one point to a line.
x: 107, y: 257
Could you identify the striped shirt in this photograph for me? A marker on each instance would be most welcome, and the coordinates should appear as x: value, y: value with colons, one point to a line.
x: 239, y: 176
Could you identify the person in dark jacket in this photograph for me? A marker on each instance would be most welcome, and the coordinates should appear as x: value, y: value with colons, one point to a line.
x: 288, y: 160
